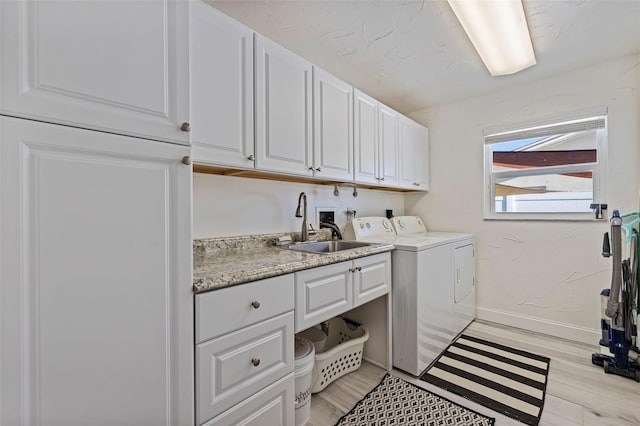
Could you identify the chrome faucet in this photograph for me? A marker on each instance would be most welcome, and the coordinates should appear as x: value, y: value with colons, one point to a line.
x: 304, y: 235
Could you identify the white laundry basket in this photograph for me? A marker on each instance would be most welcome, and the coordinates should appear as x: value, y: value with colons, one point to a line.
x: 303, y: 365
x: 343, y: 353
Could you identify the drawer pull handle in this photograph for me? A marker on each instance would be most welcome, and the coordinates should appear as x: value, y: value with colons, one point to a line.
x: 255, y: 361
x: 255, y: 304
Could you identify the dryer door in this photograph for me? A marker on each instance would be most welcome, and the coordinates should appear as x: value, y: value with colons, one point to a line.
x: 464, y: 272
x: 464, y: 295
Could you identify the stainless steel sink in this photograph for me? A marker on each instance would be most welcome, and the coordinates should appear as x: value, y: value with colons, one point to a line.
x: 328, y: 246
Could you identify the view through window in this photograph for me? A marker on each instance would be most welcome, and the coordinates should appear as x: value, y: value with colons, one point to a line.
x: 547, y: 169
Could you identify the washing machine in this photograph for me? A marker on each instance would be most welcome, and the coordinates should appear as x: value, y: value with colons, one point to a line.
x: 433, y: 287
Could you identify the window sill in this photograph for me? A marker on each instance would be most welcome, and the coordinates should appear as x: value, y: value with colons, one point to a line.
x: 545, y: 217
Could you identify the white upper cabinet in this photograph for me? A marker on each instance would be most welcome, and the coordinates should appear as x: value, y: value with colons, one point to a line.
x: 283, y: 89
x: 365, y: 138
x: 96, y: 307
x: 414, y: 155
x: 422, y: 158
x: 333, y: 127
x: 115, y: 66
x: 388, y: 145
x: 221, y: 88
x: 376, y: 141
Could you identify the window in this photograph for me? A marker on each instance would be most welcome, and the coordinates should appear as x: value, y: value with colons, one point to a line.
x: 549, y: 171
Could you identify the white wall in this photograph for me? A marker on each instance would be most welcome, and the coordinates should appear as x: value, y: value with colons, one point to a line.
x: 227, y: 206
x: 545, y: 276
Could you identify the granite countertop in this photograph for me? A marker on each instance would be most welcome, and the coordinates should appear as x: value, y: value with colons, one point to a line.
x: 224, y: 262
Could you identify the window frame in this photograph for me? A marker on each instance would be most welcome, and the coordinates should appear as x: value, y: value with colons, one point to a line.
x: 598, y: 170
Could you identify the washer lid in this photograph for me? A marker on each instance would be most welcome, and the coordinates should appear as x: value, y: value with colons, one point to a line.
x: 407, y: 225
x: 418, y: 242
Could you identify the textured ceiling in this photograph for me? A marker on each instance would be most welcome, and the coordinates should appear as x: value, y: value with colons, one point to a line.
x: 414, y: 54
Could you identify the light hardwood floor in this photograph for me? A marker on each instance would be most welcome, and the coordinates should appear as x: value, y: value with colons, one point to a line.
x: 578, y: 393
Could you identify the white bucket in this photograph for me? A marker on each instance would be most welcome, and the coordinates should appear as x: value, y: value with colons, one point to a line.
x: 316, y: 336
x: 303, y: 364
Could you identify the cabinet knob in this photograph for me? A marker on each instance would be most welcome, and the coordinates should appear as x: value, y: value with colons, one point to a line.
x: 352, y: 270
x: 255, y: 304
x: 359, y: 268
x: 251, y: 157
x: 185, y: 127
x: 186, y: 160
x: 255, y: 361
x: 318, y: 170
x: 311, y: 168
x: 382, y: 178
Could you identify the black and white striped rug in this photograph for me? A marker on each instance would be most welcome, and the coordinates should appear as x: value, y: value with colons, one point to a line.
x: 395, y: 402
x: 510, y: 381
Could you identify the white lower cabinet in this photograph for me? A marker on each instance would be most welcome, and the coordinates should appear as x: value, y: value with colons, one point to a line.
x: 272, y: 406
x: 372, y: 278
x: 245, y: 337
x: 96, y: 319
x: 323, y: 293
x: 327, y: 291
x: 243, y: 370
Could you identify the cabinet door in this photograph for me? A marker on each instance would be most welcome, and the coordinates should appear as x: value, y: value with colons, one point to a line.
x: 283, y: 110
x: 96, y: 307
x: 464, y: 308
x: 388, y: 145
x: 221, y: 88
x: 242, y: 305
x: 322, y: 293
x: 273, y: 406
x: 422, y: 160
x: 231, y: 368
x: 365, y: 138
x: 372, y: 278
x: 407, y: 153
x: 333, y: 122
x: 117, y: 66
x: 413, y: 155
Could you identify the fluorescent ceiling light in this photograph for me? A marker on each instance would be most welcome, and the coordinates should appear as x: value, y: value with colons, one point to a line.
x: 498, y: 30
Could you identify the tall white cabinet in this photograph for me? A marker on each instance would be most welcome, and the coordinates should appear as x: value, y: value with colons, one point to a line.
x: 119, y: 67
x: 96, y: 311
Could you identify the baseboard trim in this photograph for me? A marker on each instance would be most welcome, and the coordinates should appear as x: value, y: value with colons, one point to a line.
x: 585, y: 335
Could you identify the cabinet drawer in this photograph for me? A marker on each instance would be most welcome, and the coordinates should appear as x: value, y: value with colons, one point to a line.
x: 233, y: 367
x: 222, y: 311
x: 322, y: 293
x: 372, y: 279
x: 272, y: 406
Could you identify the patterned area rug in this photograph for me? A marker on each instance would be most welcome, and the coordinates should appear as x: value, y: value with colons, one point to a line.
x: 507, y: 380
x: 395, y: 402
